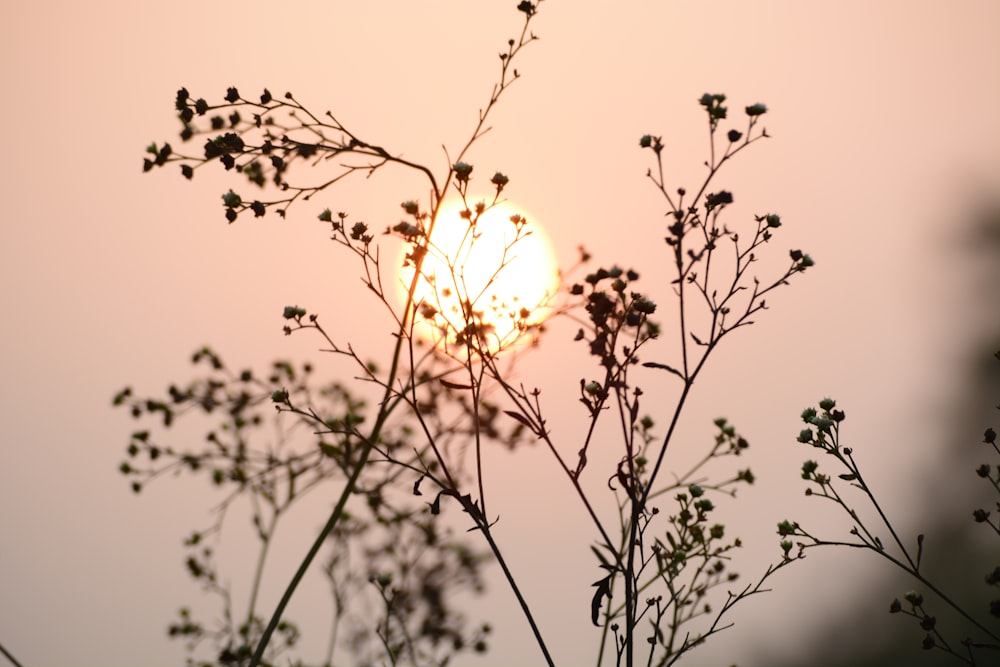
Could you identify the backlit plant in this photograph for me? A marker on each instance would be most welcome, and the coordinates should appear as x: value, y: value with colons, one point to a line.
x: 394, y: 466
x: 979, y: 644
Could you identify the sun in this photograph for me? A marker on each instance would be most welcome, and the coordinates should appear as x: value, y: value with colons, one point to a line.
x: 487, y: 282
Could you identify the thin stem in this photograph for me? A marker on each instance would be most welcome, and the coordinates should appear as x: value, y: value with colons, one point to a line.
x: 313, y: 550
x: 534, y: 411
x: 479, y: 442
x: 885, y: 519
x: 517, y: 592
x: 259, y: 569
x: 912, y: 572
x: 385, y: 408
x: 10, y: 657
x: 386, y: 403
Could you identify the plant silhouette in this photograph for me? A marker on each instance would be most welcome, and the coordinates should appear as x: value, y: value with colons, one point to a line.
x: 663, y: 564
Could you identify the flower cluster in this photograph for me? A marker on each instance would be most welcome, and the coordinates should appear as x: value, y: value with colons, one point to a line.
x: 611, y: 308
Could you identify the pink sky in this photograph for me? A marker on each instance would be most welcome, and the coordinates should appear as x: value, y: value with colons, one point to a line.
x: 884, y: 146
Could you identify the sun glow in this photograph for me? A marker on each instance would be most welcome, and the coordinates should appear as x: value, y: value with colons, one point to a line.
x: 487, y: 281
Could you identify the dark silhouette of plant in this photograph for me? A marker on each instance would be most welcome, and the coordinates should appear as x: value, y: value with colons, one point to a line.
x: 665, y: 579
x: 823, y: 432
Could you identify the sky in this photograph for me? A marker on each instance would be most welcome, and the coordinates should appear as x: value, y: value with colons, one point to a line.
x: 883, y: 153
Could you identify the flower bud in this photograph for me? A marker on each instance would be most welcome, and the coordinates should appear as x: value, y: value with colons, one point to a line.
x: 644, y: 306
x: 231, y: 199
x: 462, y: 171
x: 358, y: 230
x: 823, y: 425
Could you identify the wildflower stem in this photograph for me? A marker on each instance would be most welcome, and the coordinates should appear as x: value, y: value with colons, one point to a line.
x: 385, y: 409
x: 487, y: 533
x: 259, y: 568
x: 10, y: 657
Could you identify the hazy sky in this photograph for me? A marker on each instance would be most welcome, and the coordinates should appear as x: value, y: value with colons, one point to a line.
x: 884, y: 146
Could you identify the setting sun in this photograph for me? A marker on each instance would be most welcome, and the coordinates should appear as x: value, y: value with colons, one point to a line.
x: 496, y: 278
